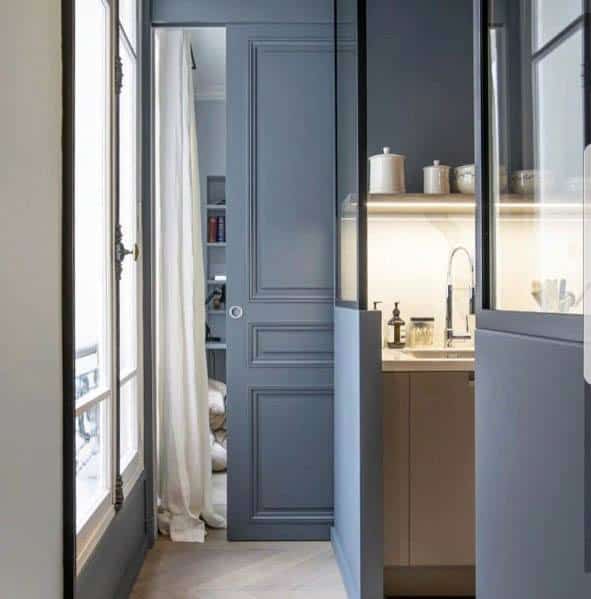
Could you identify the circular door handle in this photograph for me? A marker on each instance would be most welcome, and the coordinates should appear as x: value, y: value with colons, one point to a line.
x: 236, y: 312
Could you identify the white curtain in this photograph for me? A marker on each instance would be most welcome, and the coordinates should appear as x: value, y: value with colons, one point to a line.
x: 184, y: 453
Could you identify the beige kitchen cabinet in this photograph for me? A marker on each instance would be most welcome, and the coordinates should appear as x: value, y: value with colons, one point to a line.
x: 429, y: 483
x: 442, y: 481
x: 396, y: 404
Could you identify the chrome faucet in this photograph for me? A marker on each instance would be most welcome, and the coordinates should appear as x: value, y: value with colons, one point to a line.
x: 450, y: 335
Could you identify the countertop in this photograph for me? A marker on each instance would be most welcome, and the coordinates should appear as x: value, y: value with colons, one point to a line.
x: 396, y: 360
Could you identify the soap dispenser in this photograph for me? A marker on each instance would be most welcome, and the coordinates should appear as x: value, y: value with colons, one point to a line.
x: 396, y: 329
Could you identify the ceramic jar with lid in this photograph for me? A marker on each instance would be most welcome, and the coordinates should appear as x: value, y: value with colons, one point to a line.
x: 436, y: 178
x: 464, y: 179
x: 387, y: 173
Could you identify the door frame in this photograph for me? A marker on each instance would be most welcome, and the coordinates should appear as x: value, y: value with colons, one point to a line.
x: 147, y: 33
x: 559, y: 327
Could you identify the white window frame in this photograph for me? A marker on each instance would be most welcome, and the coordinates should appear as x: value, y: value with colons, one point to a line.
x: 92, y: 530
x: 134, y: 469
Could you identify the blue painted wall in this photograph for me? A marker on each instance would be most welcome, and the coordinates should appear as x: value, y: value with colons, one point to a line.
x: 420, y: 82
x: 211, y: 131
x: 530, y: 483
x: 111, y: 571
x: 357, y: 534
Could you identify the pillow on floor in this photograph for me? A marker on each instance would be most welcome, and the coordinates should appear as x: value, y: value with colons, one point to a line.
x: 216, y: 422
x: 219, y: 386
x: 219, y: 455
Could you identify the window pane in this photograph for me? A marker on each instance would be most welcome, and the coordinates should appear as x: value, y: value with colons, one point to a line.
x: 92, y: 197
x: 536, y: 162
x: 128, y: 209
x: 129, y: 422
x: 347, y: 184
x: 552, y: 16
x: 128, y: 19
x: 92, y: 250
x: 92, y: 460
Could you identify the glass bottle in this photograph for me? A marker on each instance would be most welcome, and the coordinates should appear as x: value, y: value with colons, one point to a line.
x: 396, y: 330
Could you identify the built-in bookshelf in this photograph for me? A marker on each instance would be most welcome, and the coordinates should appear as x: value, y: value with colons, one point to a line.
x: 215, y: 270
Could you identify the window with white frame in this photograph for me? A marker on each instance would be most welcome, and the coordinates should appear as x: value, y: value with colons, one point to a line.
x: 108, y: 414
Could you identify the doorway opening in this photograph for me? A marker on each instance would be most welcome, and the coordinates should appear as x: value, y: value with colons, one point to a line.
x: 190, y: 284
x: 209, y: 77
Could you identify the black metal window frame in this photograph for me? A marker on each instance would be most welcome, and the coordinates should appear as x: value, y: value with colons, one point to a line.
x: 566, y: 327
x: 362, y: 160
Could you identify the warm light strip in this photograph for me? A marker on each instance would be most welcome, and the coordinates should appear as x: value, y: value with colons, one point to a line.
x: 554, y: 206
x: 509, y: 205
x: 424, y: 205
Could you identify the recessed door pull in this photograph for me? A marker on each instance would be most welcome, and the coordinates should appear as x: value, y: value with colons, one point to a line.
x: 236, y: 312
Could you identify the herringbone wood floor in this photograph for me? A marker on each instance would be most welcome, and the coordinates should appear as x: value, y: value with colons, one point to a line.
x: 218, y: 569
x: 222, y: 570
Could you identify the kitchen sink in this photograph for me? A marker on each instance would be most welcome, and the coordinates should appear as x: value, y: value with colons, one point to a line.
x: 451, y: 353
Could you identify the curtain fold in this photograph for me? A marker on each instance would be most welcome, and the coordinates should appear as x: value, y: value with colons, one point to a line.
x: 184, y: 461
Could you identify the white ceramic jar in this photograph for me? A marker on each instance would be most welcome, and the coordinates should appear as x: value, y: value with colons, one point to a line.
x: 436, y: 178
x: 464, y: 179
x: 387, y: 173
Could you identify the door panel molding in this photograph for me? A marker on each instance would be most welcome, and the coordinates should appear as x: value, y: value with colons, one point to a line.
x: 278, y: 502
x: 276, y: 345
x: 262, y: 288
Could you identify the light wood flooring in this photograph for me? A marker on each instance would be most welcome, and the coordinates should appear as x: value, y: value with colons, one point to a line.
x: 218, y: 569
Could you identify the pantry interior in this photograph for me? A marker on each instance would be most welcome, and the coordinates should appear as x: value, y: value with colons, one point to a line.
x: 421, y: 256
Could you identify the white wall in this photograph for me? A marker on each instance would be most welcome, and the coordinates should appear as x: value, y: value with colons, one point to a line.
x: 30, y: 328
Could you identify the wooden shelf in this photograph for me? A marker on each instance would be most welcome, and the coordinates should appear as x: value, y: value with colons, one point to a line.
x: 456, y: 203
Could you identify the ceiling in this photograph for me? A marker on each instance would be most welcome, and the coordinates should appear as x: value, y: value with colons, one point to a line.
x: 209, y: 49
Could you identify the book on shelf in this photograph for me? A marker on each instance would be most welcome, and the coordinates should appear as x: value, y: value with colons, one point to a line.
x: 216, y: 229
x: 212, y: 227
x: 221, y: 229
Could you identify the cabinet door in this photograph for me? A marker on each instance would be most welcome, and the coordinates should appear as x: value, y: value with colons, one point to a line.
x: 442, y: 515
x: 396, y: 389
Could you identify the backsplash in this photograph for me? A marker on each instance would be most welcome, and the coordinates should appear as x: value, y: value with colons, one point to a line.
x: 408, y: 258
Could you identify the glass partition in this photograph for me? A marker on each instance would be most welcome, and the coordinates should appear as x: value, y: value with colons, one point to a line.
x: 350, y: 171
x: 536, y: 118
x: 551, y: 17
